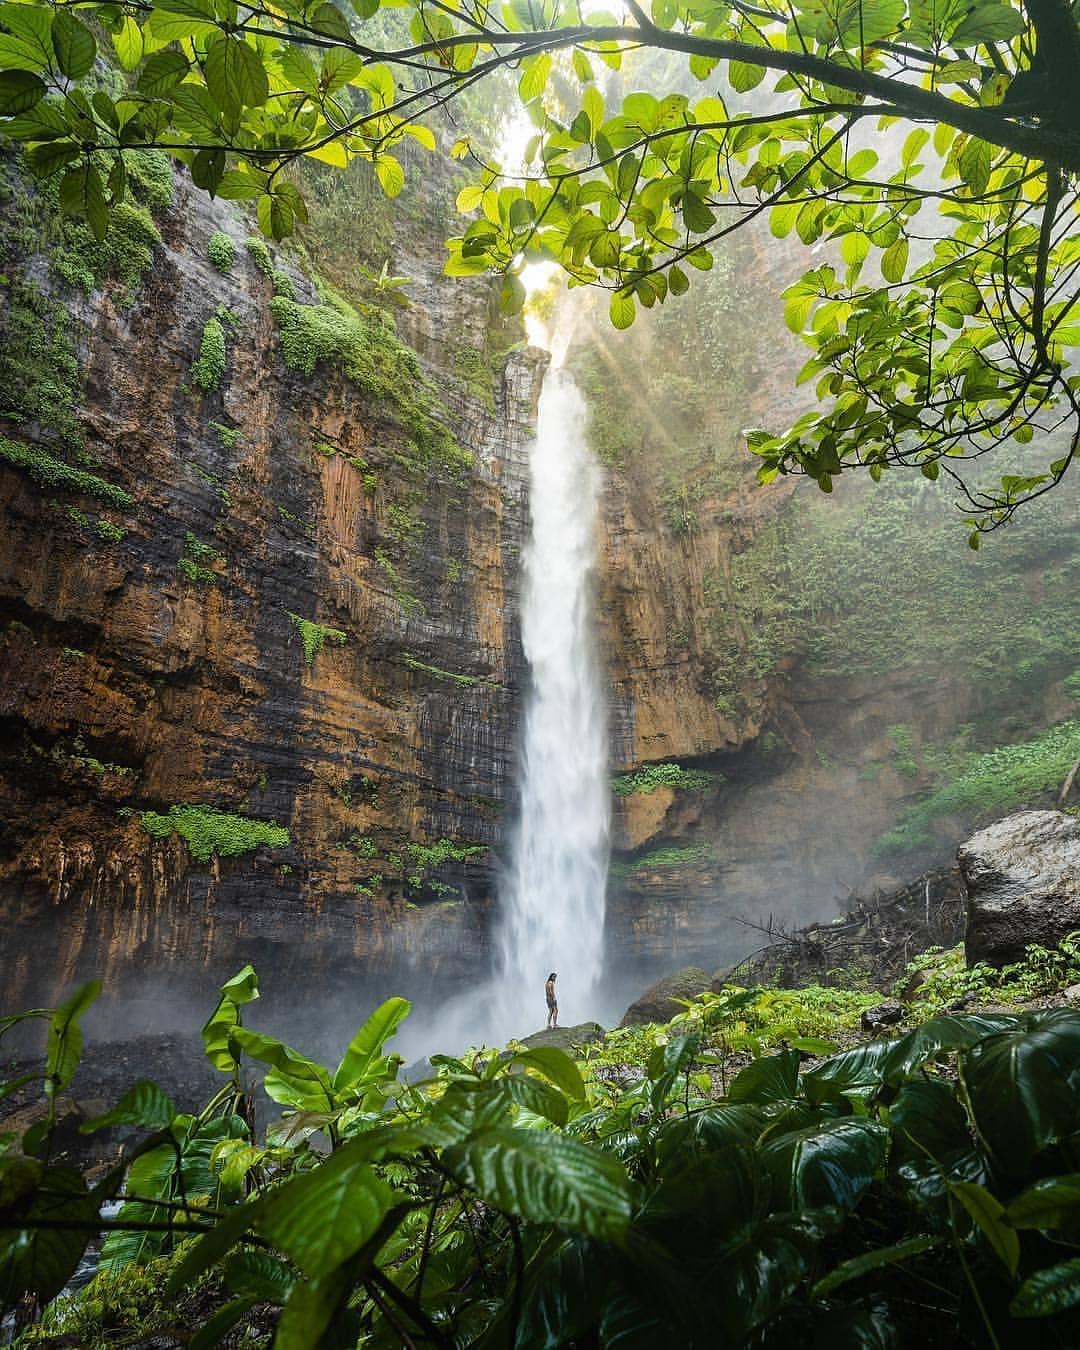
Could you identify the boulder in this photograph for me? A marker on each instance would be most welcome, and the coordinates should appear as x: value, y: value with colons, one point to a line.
x: 1021, y: 880
x: 566, y: 1038
x: 882, y: 1015
x: 657, y: 1004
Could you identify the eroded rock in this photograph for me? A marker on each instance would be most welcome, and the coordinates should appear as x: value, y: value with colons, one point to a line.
x: 1022, y: 881
x: 658, y: 1003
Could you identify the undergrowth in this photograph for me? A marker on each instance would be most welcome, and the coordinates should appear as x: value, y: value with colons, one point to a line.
x: 939, y: 979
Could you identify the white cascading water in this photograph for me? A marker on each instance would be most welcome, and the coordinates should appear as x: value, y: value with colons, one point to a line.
x: 552, y: 900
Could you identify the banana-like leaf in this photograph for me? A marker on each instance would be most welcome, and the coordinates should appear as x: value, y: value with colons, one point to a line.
x: 365, y: 1048
x: 219, y: 1026
x: 556, y: 1066
x: 294, y: 1080
x: 65, y: 1038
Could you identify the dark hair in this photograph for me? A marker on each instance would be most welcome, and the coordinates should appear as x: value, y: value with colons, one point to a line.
x: 551, y: 976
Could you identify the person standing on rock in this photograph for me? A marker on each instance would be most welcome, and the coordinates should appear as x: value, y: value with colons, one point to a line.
x: 553, y: 1006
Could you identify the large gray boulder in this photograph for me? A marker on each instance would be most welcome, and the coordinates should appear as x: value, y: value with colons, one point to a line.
x: 566, y: 1038
x: 657, y: 1004
x: 1022, y: 882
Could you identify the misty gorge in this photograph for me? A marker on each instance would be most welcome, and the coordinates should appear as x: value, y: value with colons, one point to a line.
x: 289, y: 591
x: 540, y: 571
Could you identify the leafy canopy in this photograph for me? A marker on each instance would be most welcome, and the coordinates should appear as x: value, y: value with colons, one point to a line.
x: 943, y: 314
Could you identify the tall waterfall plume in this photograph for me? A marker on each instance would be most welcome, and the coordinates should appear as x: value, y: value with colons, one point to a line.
x: 552, y: 900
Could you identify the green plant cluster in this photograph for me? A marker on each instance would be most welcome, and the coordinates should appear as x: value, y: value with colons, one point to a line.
x: 230, y: 437
x: 674, y: 856
x: 208, y: 831
x: 315, y: 636
x: 914, y: 1190
x: 903, y: 750
x: 436, y: 672
x: 209, y: 367
x: 108, y: 532
x: 49, y: 472
x: 940, y: 979
x: 411, y: 605
x: 367, y: 349
x: 260, y: 255
x: 39, y: 368
x: 221, y: 251
x: 197, y: 560
x: 653, y: 776
x: 423, y: 860
x: 1000, y: 779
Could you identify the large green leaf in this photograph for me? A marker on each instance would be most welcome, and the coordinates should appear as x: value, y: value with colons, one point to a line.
x: 546, y: 1178
x: 365, y: 1048
x: 321, y: 1218
x: 687, y: 1136
x: 144, y: 1104
x: 857, y: 1266
x: 65, y: 1037
x: 987, y: 1213
x: 40, y: 1261
x: 829, y: 1164
x: 1048, y: 1291
x: 74, y: 45
x: 241, y: 989
x: 1024, y: 1085
x: 465, y: 1108
x: 773, y: 1078
x: 928, y: 1120
x: 1053, y: 1202
x: 557, y: 1066
x: 294, y: 1079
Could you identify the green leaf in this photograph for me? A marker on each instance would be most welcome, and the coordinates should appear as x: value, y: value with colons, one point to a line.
x: 464, y: 1109
x: 1048, y: 1291
x: 1022, y: 1085
x: 390, y: 174
x: 988, y: 23
x: 295, y: 1080
x: 974, y: 165
x: 773, y: 1078
x: 621, y: 309
x: 557, y: 1066
x: 539, y: 1098
x: 744, y: 76
x: 241, y: 989
x: 1053, y: 1202
x: 65, y: 1034
x: 545, y: 1178
x: 144, y: 1104
x: 534, y: 76
x: 235, y: 75
x: 987, y: 1213
x: 212, y: 1332
x: 74, y: 45
x: 699, y: 217
x: 128, y: 43
x: 162, y: 73
x: 236, y: 185
x: 259, y: 1275
x: 860, y: 1265
x: 40, y: 1261
x: 678, y: 281
x: 321, y: 1218
x: 311, y: 1308
x: 894, y: 261
x: 365, y: 1048
x: 828, y: 1164
x: 275, y: 216
x: 20, y: 90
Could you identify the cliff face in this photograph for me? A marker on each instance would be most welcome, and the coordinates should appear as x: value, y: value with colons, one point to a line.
x: 310, y: 619
x: 260, y: 579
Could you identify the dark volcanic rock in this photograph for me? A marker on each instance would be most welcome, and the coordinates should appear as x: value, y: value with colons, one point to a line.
x: 1022, y: 879
x: 881, y: 1015
x: 658, y: 1003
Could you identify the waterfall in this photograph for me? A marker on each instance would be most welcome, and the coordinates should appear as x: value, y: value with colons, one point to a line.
x: 552, y: 899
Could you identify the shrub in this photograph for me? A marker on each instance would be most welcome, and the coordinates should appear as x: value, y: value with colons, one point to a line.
x: 207, y: 831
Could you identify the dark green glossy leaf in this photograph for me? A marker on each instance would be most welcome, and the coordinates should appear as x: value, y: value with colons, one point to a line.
x: 546, y: 1178
x: 829, y: 1164
x: 1048, y: 1291
x: 1053, y: 1202
x: 773, y: 1078
x: 858, y: 1266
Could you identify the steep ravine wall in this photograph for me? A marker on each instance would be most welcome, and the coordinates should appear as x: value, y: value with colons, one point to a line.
x: 129, y: 682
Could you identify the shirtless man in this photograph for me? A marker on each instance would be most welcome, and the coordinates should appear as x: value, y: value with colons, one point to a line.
x: 553, y: 1006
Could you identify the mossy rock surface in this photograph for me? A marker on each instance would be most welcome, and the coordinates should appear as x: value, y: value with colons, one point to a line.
x: 566, y: 1038
x: 658, y: 1003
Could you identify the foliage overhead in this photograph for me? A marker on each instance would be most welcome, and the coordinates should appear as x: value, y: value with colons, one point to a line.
x: 938, y: 335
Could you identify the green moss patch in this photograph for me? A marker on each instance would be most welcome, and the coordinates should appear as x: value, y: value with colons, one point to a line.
x: 49, y: 472
x: 208, y: 831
